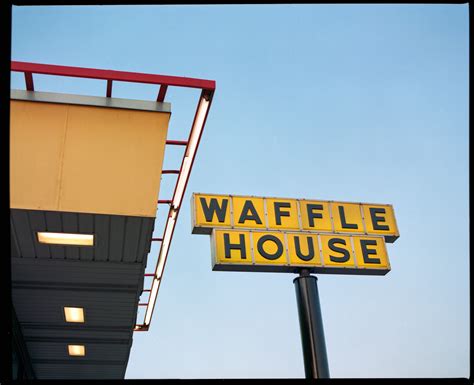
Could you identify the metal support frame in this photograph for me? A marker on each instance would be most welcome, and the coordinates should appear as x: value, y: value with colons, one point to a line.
x: 191, y: 145
x: 311, y: 326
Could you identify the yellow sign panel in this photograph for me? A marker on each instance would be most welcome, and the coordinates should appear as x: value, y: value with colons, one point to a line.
x: 315, y: 215
x: 213, y: 211
x: 251, y: 212
x: 276, y: 251
x: 303, y: 249
x: 282, y: 214
x: 269, y: 248
x: 337, y: 250
x: 233, y: 247
x: 247, y: 212
x: 347, y: 217
x: 371, y: 253
x: 380, y: 219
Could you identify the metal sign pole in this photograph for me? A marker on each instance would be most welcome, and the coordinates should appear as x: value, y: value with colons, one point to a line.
x: 311, y: 326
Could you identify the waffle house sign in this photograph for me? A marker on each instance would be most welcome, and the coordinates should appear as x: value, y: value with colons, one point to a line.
x: 285, y: 235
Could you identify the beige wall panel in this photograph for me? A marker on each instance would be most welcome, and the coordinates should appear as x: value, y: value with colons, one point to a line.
x: 113, y: 160
x: 110, y: 163
x: 36, y: 143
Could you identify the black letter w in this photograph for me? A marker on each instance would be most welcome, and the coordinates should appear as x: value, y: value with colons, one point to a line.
x: 214, y: 208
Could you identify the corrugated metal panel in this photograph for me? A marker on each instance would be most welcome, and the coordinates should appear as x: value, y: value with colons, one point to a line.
x: 54, y: 224
x: 86, y: 226
x: 130, y: 246
x: 15, y: 248
x: 118, y: 238
x: 115, y: 351
x: 78, y: 272
x: 78, y: 371
x: 20, y: 226
x: 69, y: 332
x: 70, y: 223
x: 37, y: 223
x: 102, y: 223
x: 101, y: 307
x: 106, y: 280
x: 117, y: 230
x: 144, y: 244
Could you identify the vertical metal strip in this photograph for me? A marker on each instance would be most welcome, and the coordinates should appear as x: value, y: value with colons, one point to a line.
x: 298, y: 209
x: 251, y: 247
x: 353, y: 252
x: 333, y: 226
x: 285, y: 238
x: 265, y: 209
x: 361, y: 209
x: 231, y: 211
x: 320, y: 245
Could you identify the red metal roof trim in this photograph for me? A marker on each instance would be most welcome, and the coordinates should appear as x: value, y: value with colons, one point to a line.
x: 92, y: 73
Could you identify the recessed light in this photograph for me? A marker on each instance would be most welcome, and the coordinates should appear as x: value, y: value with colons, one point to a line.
x: 76, y: 350
x: 74, y: 314
x: 66, y: 239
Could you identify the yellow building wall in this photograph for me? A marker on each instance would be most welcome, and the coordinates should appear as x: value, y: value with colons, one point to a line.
x: 77, y: 158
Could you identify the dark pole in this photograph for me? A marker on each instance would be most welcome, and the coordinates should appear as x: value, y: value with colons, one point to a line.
x: 311, y: 325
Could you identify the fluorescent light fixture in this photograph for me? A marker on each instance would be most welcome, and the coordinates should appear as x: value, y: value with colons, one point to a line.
x: 197, y: 126
x: 183, y: 176
x: 174, y: 214
x: 178, y: 195
x: 151, y: 301
x: 74, y: 314
x: 190, y: 150
x: 66, y: 239
x: 76, y: 350
x: 165, y: 245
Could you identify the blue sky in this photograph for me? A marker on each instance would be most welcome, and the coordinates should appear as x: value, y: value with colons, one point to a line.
x: 365, y: 103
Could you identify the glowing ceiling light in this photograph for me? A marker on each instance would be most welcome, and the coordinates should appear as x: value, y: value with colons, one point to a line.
x: 76, y: 350
x: 66, y: 239
x: 74, y: 314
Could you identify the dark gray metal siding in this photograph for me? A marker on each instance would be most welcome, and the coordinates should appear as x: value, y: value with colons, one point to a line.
x: 118, y: 238
x: 106, y: 280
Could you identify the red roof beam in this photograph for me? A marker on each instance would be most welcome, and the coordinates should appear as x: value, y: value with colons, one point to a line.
x: 92, y: 73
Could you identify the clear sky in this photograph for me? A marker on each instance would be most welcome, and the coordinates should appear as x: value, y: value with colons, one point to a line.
x: 365, y: 103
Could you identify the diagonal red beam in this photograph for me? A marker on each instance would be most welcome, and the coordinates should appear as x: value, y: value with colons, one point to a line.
x: 162, y: 93
x: 29, y: 81
x: 93, y: 73
x: 109, y: 88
